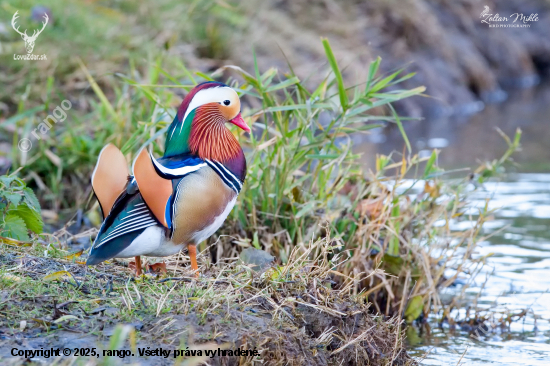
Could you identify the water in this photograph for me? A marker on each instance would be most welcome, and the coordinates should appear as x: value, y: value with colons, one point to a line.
x: 518, y: 278
x: 519, y: 270
x: 465, y: 140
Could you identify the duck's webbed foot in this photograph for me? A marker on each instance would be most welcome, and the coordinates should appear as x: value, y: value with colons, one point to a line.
x: 158, y: 268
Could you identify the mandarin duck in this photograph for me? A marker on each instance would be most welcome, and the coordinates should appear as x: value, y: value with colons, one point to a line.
x: 180, y: 199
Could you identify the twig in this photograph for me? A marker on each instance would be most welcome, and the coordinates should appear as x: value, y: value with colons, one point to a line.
x: 356, y: 340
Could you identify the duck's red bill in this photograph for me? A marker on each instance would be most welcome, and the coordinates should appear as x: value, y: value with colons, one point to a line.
x: 239, y: 122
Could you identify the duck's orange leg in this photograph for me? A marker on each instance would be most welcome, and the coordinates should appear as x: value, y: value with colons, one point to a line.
x: 138, y: 265
x: 193, y: 256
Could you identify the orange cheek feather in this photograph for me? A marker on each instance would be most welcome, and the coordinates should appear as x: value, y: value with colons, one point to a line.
x: 229, y: 112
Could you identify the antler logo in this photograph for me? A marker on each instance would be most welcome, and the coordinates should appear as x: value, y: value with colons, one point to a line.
x: 29, y: 40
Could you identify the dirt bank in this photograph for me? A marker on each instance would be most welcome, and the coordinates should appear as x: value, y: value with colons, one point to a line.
x: 293, y: 318
x: 460, y: 60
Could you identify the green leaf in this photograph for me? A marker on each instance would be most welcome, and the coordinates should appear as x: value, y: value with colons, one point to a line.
x: 392, y: 264
x: 413, y: 337
x: 7, y: 179
x: 414, y: 308
x: 14, y: 119
x: 305, y: 209
x: 337, y: 74
x: 256, y: 241
x: 99, y: 93
x: 361, y: 128
x: 430, y: 164
x: 320, y: 90
x: 401, y: 129
x: 203, y: 75
x: 57, y: 276
x: 133, y: 139
x: 13, y: 198
x: 393, y: 248
x: 373, y: 69
x: 284, y: 84
x: 31, y: 200
x: 65, y: 317
x: 323, y: 156
x: 15, y: 228
x: 384, y: 82
x: 295, y: 107
x: 31, y: 217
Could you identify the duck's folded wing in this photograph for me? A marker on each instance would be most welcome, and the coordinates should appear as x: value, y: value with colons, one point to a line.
x: 128, y: 218
x: 157, y: 181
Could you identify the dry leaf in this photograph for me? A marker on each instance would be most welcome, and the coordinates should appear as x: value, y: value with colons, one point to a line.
x: 372, y: 208
x: 74, y: 255
x: 13, y: 242
x: 49, y: 216
x: 42, y: 322
x: 65, y: 317
x: 56, y: 275
x: 56, y: 160
x: 432, y: 191
x: 158, y: 267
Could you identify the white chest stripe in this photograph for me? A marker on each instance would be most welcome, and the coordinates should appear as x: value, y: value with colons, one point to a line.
x: 228, y: 172
x: 179, y: 171
x: 226, y: 175
x: 224, y: 178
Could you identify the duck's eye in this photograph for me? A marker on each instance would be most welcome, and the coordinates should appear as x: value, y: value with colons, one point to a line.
x: 226, y: 102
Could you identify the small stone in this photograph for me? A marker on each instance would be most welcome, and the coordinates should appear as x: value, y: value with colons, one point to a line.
x: 259, y: 260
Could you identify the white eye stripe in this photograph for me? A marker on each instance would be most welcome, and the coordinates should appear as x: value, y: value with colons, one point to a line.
x: 211, y: 95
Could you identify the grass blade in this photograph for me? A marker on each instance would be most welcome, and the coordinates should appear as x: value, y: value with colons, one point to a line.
x: 337, y: 74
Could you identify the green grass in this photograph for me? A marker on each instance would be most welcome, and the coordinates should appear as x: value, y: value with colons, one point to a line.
x: 108, y: 35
